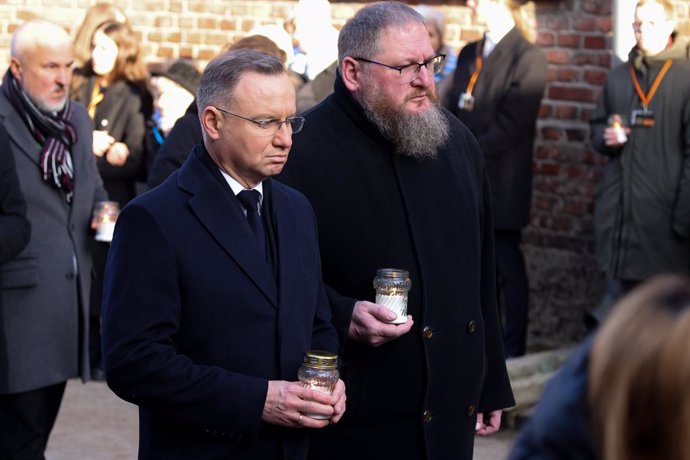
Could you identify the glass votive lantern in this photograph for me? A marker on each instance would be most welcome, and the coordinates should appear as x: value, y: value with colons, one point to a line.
x: 104, y: 215
x: 319, y: 371
x: 617, y: 122
x: 392, y: 286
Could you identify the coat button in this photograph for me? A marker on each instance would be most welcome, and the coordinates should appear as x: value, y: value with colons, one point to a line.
x: 471, y: 327
x: 427, y: 416
x: 69, y: 276
x: 428, y: 333
x: 470, y: 410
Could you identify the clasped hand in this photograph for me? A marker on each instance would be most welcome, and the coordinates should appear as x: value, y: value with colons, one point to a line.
x: 370, y: 324
x: 291, y: 404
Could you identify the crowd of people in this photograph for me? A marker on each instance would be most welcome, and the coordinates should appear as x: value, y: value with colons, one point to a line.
x: 229, y: 262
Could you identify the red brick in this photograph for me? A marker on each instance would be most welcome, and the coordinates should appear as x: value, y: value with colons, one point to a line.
x: 207, y: 23
x: 228, y: 24
x: 545, y: 111
x: 555, y: 23
x: 470, y: 35
x: 207, y: 53
x: 568, y: 75
x: 551, y: 133
x: 545, y: 39
x: 550, y: 169
x: 591, y: 58
x: 605, y: 24
x: 166, y: 52
x: 600, y: 7
x: 576, y: 135
x: 569, y: 40
x: 584, y: 24
x: 596, y: 42
x: 176, y: 7
x: 186, y: 52
x: 187, y: 22
x: 562, y: 223
x: 556, y: 56
x: 163, y: 21
x: 174, y: 37
x: 595, y: 77
x: 566, y: 112
x: 571, y: 93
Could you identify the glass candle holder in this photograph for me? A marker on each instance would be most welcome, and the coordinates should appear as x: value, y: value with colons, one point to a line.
x: 319, y: 371
x: 104, y: 215
x: 617, y: 122
x: 392, y: 286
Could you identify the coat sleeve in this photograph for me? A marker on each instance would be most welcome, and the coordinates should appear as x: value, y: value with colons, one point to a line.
x: 141, y: 313
x: 681, y: 209
x: 599, y: 120
x: 496, y: 393
x: 15, y: 228
x: 134, y: 111
x: 519, y: 105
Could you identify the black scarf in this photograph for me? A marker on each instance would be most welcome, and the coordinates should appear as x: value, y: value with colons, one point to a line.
x: 52, y: 131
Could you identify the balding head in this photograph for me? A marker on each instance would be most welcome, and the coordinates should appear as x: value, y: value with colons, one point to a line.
x: 37, y: 33
x: 41, y: 61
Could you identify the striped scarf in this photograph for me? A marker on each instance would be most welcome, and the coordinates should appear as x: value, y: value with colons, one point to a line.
x: 52, y: 131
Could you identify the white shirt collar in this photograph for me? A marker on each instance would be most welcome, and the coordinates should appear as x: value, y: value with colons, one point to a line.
x: 237, y: 187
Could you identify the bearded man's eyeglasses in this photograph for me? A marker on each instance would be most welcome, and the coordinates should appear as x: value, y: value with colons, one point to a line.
x: 272, y: 126
x: 410, y: 71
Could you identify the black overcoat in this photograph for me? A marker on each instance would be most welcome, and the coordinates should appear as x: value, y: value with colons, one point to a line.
x: 642, y: 209
x: 123, y: 113
x: 375, y: 209
x: 507, y: 96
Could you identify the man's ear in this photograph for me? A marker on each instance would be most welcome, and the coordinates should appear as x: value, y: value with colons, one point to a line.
x: 211, y: 122
x: 16, y: 69
x: 351, y: 73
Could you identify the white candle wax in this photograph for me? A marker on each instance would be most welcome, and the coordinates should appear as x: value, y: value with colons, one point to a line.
x: 397, y: 303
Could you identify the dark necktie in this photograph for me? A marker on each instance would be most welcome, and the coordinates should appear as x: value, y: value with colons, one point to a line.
x: 250, y: 201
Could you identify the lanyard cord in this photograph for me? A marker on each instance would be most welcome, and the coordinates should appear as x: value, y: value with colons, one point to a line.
x: 646, y: 99
x: 473, y: 78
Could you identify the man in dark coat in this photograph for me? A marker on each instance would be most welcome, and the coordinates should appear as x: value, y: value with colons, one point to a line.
x: 642, y: 214
x: 505, y: 75
x: 397, y: 182
x: 208, y: 307
x: 44, y: 289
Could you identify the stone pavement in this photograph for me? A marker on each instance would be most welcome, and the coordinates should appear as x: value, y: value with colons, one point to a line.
x: 94, y: 424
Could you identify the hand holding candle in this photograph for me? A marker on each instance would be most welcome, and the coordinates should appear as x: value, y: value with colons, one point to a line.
x: 104, y: 216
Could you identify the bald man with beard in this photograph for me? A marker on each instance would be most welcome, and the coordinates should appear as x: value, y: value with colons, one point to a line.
x: 396, y: 181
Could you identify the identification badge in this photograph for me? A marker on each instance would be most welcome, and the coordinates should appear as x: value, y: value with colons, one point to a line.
x: 466, y: 102
x: 642, y: 118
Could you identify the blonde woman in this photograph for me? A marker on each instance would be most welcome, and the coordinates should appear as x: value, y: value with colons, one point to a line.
x: 624, y: 394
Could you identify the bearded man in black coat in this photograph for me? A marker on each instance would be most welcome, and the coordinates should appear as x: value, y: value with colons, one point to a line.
x: 395, y: 181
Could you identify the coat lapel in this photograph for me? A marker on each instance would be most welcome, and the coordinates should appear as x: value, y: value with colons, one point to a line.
x: 17, y: 130
x: 220, y: 213
x: 286, y: 230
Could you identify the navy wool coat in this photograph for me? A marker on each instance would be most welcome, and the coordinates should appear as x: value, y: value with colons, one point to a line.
x: 196, y: 323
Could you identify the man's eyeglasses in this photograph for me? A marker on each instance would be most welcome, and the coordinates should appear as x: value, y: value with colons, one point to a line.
x: 272, y: 127
x: 410, y: 71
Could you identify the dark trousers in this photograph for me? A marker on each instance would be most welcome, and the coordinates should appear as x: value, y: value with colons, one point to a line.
x: 513, y: 291
x: 99, y: 257
x: 26, y: 420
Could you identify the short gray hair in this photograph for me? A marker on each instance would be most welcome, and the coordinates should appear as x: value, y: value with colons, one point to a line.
x: 360, y: 35
x: 222, y: 74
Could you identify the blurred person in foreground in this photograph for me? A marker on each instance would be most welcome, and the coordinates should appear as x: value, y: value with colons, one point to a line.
x: 186, y: 132
x: 213, y: 287
x: 624, y: 394
x: 396, y: 181
x: 496, y: 91
x: 642, y: 124
x: 44, y: 289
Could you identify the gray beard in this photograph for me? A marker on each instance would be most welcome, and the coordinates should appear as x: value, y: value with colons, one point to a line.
x: 417, y: 135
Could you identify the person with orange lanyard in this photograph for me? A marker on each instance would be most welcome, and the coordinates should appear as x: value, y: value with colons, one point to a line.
x: 642, y: 209
x: 497, y: 89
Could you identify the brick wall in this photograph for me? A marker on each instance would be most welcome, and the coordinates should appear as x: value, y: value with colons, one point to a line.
x: 574, y: 34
